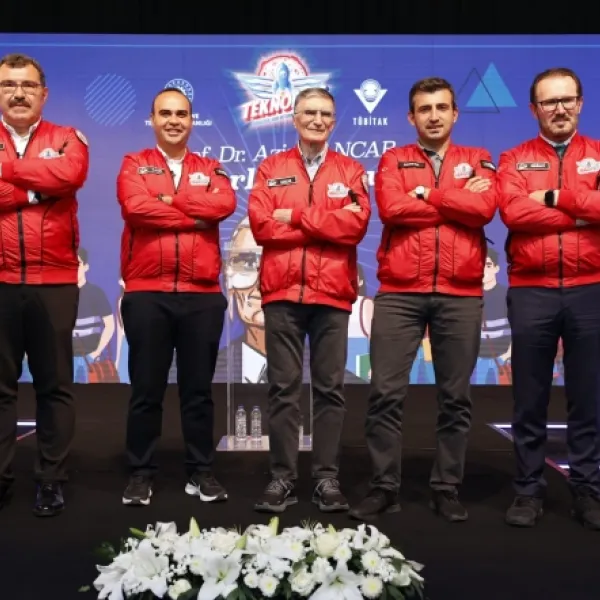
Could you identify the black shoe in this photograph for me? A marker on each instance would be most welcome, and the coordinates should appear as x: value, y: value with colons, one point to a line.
x: 49, y: 500
x: 328, y: 497
x: 376, y: 502
x: 525, y: 511
x: 278, y: 495
x: 204, y: 485
x: 6, y: 492
x: 446, y: 504
x: 138, y: 491
x: 586, y: 509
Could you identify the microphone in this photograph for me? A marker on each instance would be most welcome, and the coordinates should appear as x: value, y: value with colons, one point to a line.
x: 353, y: 196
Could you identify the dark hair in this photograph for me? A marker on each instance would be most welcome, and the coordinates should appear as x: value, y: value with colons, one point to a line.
x: 554, y: 72
x: 83, y: 255
x: 164, y: 91
x: 20, y: 61
x: 493, y: 256
x: 429, y: 86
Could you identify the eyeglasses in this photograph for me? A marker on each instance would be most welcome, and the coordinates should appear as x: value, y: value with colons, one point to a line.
x: 29, y: 87
x: 326, y: 115
x: 550, y: 105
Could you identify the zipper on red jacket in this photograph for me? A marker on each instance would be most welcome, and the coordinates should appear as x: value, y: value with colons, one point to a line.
x: 176, y: 233
x: 560, y: 245
x: 303, y: 269
x: 20, y: 228
x: 436, y: 264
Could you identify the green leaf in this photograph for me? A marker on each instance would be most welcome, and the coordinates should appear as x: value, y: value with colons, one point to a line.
x: 138, y: 533
x: 189, y: 595
x: 394, y: 592
x: 84, y: 588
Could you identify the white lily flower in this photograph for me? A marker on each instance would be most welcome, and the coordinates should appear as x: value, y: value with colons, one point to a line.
x: 221, y: 576
x: 341, y: 584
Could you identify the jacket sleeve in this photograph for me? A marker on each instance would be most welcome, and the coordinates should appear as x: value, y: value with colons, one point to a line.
x: 472, y: 209
x: 340, y: 226
x: 212, y: 203
x: 582, y: 206
x: 11, y: 196
x: 518, y: 211
x: 60, y: 176
x: 266, y: 230
x: 394, y: 204
x: 140, y: 209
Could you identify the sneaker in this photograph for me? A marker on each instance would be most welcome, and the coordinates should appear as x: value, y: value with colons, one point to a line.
x: 278, y: 495
x: 206, y: 487
x: 446, y: 504
x: 586, y: 508
x: 328, y: 497
x: 138, y: 491
x: 525, y: 511
x: 375, y: 503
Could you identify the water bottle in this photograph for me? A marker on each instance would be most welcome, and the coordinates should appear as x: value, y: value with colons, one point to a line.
x: 241, y: 426
x: 256, y: 425
x: 301, y: 432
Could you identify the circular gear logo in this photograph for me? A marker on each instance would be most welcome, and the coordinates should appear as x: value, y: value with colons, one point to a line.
x: 184, y: 86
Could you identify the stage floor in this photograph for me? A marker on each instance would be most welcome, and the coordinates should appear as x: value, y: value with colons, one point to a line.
x: 481, y: 559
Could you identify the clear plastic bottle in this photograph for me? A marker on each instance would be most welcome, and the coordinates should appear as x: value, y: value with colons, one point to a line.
x: 301, y: 431
x: 241, y: 424
x: 256, y: 425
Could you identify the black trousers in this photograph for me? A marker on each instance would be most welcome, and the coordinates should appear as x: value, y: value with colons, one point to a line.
x: 398, y: 326
x: 286, y: 326
x: 538, y: 318
x: 38, y: 320
x: 156, y: 324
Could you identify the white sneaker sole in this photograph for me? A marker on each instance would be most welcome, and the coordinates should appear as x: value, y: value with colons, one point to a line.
x: 137, y: 502
x: 192, y: 490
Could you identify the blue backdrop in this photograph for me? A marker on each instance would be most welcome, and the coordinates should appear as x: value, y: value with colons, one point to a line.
x: 103, y: 85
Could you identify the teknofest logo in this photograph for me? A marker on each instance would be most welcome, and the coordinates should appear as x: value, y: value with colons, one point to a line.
x: 273, y: 87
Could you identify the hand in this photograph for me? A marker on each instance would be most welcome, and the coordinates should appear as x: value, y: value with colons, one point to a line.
x: 166, y: 199
x: 478, y: 185
x: 538, y: 196
x: 283, y: 215
x: 353, y: 208
x: 94, y: 355
x: 413, y: 193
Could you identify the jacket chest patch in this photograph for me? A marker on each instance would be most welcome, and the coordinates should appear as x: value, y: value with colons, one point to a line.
x: 587, y: 166
x: 337, y: 190
x: 411, y: 164
x: 49, y: 153
x: 198, y: 179
x: 281, y: 181
x: 533, y: 166
x: 147, y: 170
x: 463, y: 171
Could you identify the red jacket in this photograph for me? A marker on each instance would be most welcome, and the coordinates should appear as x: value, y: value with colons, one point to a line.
x: 552, y: 246
x: 39, y: 242
x: 163, y: 248
x: 436, y: 245
x: 313, y: 259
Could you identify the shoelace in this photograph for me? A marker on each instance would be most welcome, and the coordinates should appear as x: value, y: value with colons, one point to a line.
x: 525, y: 501
x: 329, y: 486
x: 277, y: 486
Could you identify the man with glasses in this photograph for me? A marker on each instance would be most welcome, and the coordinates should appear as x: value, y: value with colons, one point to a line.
x: 42, y: 167
x: 309, y: 209
x: 551, y: 207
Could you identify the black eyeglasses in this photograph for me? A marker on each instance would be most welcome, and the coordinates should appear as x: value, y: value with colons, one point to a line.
x: 550, y: 105
x: 29, y: 87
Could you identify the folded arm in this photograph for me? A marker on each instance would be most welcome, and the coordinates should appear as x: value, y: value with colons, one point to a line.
x: 582, y: 206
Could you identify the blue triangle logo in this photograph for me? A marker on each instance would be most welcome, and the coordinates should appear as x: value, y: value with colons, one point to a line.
x: 491, y: 92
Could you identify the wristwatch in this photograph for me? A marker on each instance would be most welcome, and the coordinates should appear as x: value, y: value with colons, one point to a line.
x: 549, y: 199
x: 420, y: 191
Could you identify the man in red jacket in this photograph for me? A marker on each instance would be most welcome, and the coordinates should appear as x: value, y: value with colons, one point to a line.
x: 550, y: 203
x: 42, y: 166
x: 434, y: 198
x: 172, y: 202
x: 309, y: 209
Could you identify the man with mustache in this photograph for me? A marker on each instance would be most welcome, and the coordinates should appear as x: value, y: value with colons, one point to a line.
x: 172, y: 202
x: 42, y: 168
x: 550, y: 203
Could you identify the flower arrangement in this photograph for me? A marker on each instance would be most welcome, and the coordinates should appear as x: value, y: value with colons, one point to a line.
x: 262, y: 562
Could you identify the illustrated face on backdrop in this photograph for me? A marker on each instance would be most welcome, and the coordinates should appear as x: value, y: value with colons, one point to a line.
x: 242, y: 276
x: 314, y: 119
x: 490, y: 271
x: 82, y: 269
x: 557, y: 107
x: 22, y: 96
x: 433, y: 116
x: 172, y: 119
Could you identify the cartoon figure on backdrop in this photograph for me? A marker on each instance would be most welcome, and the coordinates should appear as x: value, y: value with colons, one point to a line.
x: 422, y: 371
x: 248, y: 353
x: 94, y: 328
x: 122, y: 352
x: 493, y: 363
x: 282, y: 81
x: 359, y: 331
